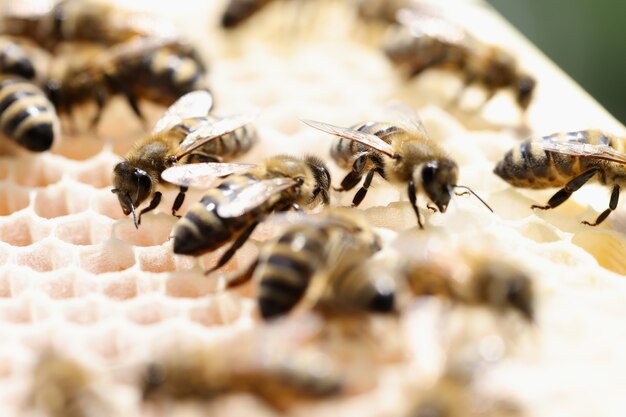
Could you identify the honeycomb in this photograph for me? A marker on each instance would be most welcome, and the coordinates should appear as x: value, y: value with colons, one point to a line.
x: 78, y: 278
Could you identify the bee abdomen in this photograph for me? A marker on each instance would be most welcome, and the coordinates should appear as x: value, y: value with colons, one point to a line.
x: 285, y: 271
x: 26, y: 115
x: 529, y: 166
x: 232, y: 144
x: 14, y: 60
x: 173, y: 75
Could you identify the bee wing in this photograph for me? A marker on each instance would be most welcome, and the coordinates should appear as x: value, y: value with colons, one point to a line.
x: 201, y: 175
x: 367, y: 139
x: 433, y: 23
x: 194, y: 104
x: 406, y: 117
x: 584, y: 150
x: 253, y: 196
x: 211, y: 131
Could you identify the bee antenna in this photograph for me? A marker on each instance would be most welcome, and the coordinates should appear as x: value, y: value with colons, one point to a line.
x: 475, y: 195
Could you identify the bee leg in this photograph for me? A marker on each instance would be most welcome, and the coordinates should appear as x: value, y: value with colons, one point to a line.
x: 180, y: 198
x: 100, y: 100
x: 462, y: 194
x: 565, y: 192
x: 154, y: 203
x: 612, y: 206
x: 360, y: 195
x: 130, y: 97
x: 431, y: 208
x: 242, y: 277
x: 238, y: 243
x: 354, y: 177
x: 413, y: 200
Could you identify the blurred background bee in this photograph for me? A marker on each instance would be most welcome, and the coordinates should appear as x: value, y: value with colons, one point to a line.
x: 26, y: 115
x: 62, y: 387
x: 185, y: 134
x: 234, y: 208
x: 401, y: 152
x: 567, y: 160
x: 14, y: 59
x: 274, y: 374
x: 426, y: 40
x: 317, y: 258
x: 52, y: 23
x: 152, y: 69
x: 440, y: 268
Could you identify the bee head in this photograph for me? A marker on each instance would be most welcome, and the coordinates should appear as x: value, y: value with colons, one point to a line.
x: 438, y: 179
x: 525, y: 88
x: 322, y: 177
x: 132, y: 186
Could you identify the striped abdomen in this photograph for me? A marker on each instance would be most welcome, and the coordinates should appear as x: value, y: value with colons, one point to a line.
x: 14, y: 60
x: 163, y: 75
x: 286, y: 267
x: 344, y: 151
x: 26, y: 115
x: 231, y: 145
x: 529, y: 166
x: 202, y: 230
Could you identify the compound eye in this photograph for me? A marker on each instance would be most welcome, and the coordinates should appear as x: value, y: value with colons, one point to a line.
x: 144, y: 185
x: 428, y: 172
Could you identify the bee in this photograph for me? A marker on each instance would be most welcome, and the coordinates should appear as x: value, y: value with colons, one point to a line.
x: 153, y: 69
x: 64, y: 388
x: 240, y: 202
x: 238, y: 11
x: 424, y: 40
x: 81, y: 21
x: 26, y: 115
x: 185, y: 134
x: 567, y: 160
x: 206, y: 374
x: 400, y: 152
x: 320, y: 253
x: 381, y: 10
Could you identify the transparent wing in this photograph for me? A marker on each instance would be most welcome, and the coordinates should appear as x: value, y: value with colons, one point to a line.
x: 584, y: 150
x: 367, y: 139
x: 431, y: 22
x: 194, y: 104
x: 253, y: 196
x: 201, y: 175
x: 211, y: 131
x: 134, y: 47
x: 407, y: 117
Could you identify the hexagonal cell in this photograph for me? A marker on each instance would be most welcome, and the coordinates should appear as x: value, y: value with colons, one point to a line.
x: 110, y: 256
x: 62, y: 199
x: 214, y: 311
x: 150, y: 310
x: 83, y: 229
x: 45, y: 255
x: 37, y: 170
x: 97, y: 171
x: 12, y: 198
x: 190, y: 285
x: 104, y: 202
x: 156, y: 259
x: 154, y: 230
x: 23, y: 228
x: 87, y: 310
x: 15, y: 310
x: 119, y: 286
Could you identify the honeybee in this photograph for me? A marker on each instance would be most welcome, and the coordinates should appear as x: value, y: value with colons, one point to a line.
x: 185, y: 134
x: 26, y: 115
x: 238, y: 11
x: 383, y: 10
x: 567, y: 160
x: 206, y: 373
x: 435, y: 266
x: 240, y: 202
x: 81, y: 21
x: 153, y: 69
x: 64, y: 388
x: 319, y: 254
x: 423, y: 41
x: 400, y: 152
